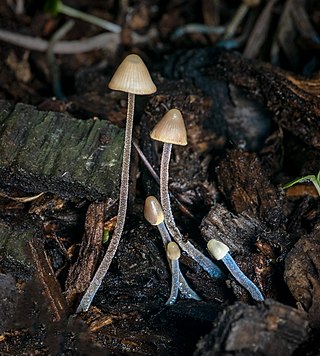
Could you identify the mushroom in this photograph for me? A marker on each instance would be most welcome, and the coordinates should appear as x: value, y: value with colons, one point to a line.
x: 171, y: 130
x: 220, y: 251
x: 154, y: 215
x: 132, y: 77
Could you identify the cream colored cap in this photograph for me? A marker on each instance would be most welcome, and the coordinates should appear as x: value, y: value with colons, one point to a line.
x: 217, y: 249
x: 132, y: 76
x: 170, y: 129
x: 153, y: 211
x: 173, y: 251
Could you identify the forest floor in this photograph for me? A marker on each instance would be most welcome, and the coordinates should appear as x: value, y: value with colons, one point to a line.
x: 246, y: 78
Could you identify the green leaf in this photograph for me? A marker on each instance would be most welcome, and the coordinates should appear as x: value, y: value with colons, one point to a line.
x: 308, y: 178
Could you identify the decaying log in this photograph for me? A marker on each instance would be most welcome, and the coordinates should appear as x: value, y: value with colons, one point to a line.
x: 247, y: 188
x: 267, y: 329
x: 302, y: 274
x: 46, y: 151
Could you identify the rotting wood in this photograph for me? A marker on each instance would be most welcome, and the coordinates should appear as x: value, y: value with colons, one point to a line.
x: 268, y: 329
x: 246, y: 186
x: 48, y: 281
x: 47, y: 151
x: 80, y: 274
x: 302, y: 271
x: 294, y: 105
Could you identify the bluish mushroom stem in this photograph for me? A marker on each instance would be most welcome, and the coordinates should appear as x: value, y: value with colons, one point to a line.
x: 181, y: 283
x: 198, y: 256
x: 242, y: 278
x: 175, y: 272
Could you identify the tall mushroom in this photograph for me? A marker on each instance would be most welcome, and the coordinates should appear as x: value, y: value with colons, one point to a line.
x: 171, y: 130
x: 132, y: 77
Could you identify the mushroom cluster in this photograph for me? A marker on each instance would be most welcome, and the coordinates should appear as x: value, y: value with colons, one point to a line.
x: 132, y: 77
x: 171, y: 130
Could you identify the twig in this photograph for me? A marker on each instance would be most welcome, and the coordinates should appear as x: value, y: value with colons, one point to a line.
x: 53, y: 66
x: 259, y: 32
x: 233, y: 25
x: 106, y: 25
x: 197, y: 28
x: 107, y: 41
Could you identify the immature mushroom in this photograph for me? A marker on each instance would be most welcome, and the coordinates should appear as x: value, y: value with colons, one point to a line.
x: 171, y: 130
x: 220, y: 251
x: 154, y: 215
x: 132, y: 77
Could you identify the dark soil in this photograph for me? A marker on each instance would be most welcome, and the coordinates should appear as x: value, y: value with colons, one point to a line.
x: 251, y: 104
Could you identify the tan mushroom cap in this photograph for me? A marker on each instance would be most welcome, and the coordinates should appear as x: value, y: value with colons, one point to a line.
x: 173, y: 251
x: 132, y: 76
x: 217, y: 249
x: 153, y: 211
x: 171, y: 129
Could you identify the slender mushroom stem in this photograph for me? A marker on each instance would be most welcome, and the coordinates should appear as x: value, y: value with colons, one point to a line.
x: 242, y: 278
x: 164, y: 233
x: 198, y: 256
x: 122, y: 209
x: 183, y: 285
x: 178, y: 281
x: 175, y: 274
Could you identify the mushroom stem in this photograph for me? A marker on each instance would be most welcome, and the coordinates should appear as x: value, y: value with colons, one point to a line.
x: 242, y: 278
x: 164, y: 234
x: 183, y: 285
x: 199, y: 257
x: 122, y: 209
x: 175, y: 273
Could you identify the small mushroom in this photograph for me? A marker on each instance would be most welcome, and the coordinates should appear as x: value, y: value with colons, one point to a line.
x: 154, y: 215
x: 220, y: 251
x: 171, y: 130
x: 132, y: 77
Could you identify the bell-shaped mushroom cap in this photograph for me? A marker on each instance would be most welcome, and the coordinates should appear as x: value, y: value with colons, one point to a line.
x: 173, y: 251
x: 153, y: 211
x: 170, y: 129
x: 132, y: 76
x: 217, y: 249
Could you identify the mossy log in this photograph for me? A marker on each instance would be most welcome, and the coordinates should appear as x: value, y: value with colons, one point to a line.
x: 52, y: 152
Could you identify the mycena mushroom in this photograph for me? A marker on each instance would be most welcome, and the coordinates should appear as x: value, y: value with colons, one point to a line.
x: 132, y: 77
x: 171, y: 130
x: 154, y: 215
x: 220, y: 251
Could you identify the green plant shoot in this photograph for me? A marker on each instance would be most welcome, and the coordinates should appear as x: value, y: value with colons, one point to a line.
x: 314, y: 179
